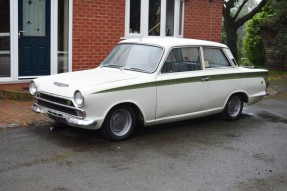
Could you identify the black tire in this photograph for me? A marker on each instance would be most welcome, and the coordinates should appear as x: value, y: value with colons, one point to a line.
x: 119, y: 124
x: 233, y: 108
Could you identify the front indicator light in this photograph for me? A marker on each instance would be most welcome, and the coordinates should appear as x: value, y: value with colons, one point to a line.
x: 81, y: 113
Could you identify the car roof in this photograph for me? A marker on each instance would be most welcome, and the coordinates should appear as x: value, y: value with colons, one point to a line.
x: 172, y: 41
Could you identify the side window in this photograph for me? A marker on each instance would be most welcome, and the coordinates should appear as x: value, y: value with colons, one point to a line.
x: 214, y: 58
x: 182, y: 60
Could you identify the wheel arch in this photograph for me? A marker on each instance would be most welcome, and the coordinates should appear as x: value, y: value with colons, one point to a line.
x: 243, y: 95
x: 234, y: 111
x: 138, y: 112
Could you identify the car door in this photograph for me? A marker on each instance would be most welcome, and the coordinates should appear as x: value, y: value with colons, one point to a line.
x: 182, y: 86
x: 222, y: 76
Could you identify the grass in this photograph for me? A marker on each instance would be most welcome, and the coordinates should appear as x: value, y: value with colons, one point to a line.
x: 277, y: 74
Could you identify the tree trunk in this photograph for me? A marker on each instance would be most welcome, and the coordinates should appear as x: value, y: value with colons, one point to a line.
x: 231, y: 40
x: 232, y: 23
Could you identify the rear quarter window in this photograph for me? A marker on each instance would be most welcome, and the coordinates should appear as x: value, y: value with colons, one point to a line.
x: 229, y: 55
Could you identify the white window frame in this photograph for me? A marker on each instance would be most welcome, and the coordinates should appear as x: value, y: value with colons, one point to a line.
x: 144, y: 19
x: 54, y: 36
x: 176, y: 18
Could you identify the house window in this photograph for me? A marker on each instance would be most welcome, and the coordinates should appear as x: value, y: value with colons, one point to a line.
x: 5, y: 66
x: 154, y: 18
x: 180, y: 17
x: 135, y: 16
x: 63, y: 36
x: 169, y: 25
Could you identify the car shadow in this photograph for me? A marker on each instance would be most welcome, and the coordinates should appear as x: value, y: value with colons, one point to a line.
x: 69, y: 136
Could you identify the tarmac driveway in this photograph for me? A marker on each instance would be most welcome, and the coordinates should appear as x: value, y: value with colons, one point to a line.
x: 204, y: 154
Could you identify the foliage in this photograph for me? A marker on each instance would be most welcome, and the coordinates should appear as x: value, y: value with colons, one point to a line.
x: 274, y: 17
x: 235, y: 14
x: 249, y: 6
x: 278, y: 22
x: 252, y: 42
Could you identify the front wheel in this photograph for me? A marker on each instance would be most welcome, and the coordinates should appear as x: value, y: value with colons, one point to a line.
x: 119, y: 123
x: 233, y: 108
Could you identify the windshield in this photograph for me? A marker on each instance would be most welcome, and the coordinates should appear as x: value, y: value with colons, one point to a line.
x: 136, y: 57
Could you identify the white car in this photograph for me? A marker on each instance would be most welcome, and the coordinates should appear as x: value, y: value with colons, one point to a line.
x: 153, y: 81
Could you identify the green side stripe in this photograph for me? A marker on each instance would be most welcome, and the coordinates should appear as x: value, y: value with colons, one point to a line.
x: 237, y: 76
x: 136, y: 86
x: 189, y: 80
x: 178, y: 81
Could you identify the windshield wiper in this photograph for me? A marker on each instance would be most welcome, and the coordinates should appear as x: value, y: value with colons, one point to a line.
x: 137, y: 69
x: 112, y: 66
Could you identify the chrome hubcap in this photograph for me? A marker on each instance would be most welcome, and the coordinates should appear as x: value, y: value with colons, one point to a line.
x: 121, y: 122
x: 234, y: 106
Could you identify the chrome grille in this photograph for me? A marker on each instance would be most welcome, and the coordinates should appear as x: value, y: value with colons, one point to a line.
x: 59, y: 100
x: 59, y: 104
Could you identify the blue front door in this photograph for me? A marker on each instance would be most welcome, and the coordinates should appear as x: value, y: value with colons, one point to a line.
x: 34, y: 37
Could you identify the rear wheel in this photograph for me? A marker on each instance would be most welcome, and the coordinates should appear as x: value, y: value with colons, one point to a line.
x: 119, y: 123
x: 233, y: 108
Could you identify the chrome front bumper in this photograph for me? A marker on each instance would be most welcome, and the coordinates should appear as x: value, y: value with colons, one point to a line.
x: 64, y: 118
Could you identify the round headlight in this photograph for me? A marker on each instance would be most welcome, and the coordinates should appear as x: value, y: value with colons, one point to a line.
x: 33, y: 88
x: 79, y: 98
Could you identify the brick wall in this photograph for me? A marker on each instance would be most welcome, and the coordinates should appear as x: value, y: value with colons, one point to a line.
x: 97, y: 26
x: 203, y: 19
x: 15, y: 86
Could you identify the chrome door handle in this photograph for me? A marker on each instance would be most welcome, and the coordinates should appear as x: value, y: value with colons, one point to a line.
x: 205, y: 79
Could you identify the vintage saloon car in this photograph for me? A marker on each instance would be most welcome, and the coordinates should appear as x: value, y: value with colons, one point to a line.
x: 151, y: 80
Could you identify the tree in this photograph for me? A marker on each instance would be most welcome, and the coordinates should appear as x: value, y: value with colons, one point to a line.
x: 232, y: 21
x: 273, y: 16
x: 252, y: 41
